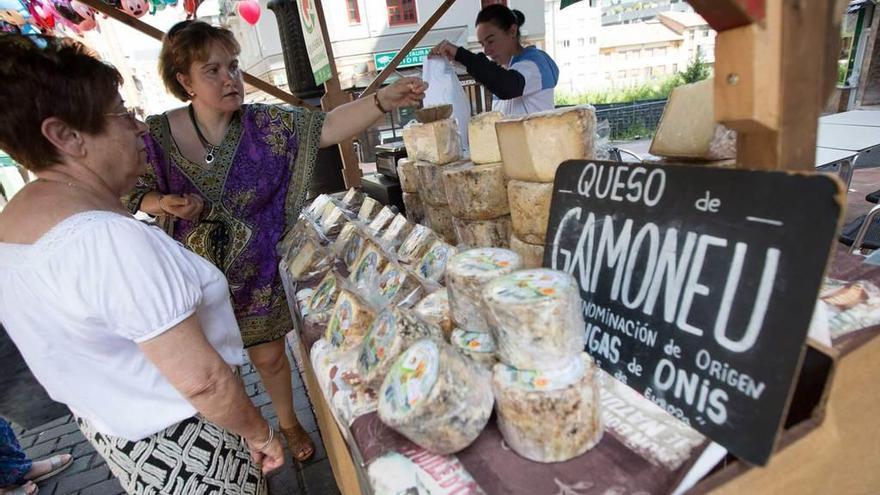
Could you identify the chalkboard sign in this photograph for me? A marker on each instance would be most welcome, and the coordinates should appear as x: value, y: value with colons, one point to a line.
x: 698, y: 284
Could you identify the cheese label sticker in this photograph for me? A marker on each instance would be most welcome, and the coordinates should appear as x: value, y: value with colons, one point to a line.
x: 391, y: 281
x: 484, y: 260
x: 529, y: 285
x: 542, y: 380
x: 433, y: 264
x: 322, y: 298
x: 473, y: 341
x: 413, y: 242
x: 367, y: 266
x: 341, y: 322
x: 413, y: 377
x: 379, y: 337
x: 395, y: 228
x: 352, y: 250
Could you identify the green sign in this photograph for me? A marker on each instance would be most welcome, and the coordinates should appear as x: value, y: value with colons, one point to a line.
x: 314, y: 39
x: 415, y: 57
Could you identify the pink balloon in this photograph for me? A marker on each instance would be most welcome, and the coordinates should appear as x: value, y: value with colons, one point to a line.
x: 249, y: 10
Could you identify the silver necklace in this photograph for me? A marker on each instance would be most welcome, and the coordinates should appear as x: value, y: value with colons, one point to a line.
x: 210, y: 149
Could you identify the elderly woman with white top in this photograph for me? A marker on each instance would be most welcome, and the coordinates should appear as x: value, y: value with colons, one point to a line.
x: 134, y: 333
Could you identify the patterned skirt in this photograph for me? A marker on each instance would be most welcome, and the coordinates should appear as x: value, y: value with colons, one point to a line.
x: 193, y: 457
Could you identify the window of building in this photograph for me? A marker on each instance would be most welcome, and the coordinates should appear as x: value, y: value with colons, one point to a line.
x: 592, y: 40
x: 354, y: 15
x: 486, y: 3
x: 674, y: 68
x: 566, y: 43
x: 401, y: 12
x: 649, y: 71
x: 634, y: 73
x: 580, y: 42
x: 706, y: 33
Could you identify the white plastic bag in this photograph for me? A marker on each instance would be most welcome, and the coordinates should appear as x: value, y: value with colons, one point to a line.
x: 444, y: 88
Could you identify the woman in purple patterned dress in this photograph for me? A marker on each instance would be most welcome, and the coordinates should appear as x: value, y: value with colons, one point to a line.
x: 234, y: 177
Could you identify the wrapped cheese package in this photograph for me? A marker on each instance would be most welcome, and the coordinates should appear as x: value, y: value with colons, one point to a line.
x: 436, y: 397
x: 398, y: 286
x: 319, y: 306
x: 467, y: 274
x: 536, y: 319
x: 391, y: 333
x: 432, y: 266
x: 549, y: 417
x: 349, y: 322
x: 477, y: 346
x: 435, y: 308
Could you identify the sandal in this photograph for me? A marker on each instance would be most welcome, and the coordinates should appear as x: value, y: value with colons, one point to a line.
x: 297, y: 438
x: 56, y: 465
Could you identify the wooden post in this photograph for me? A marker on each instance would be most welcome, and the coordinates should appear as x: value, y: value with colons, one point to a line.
x: 334, y: 97
x: 766, y: 77
x: 152, y: 32
x: 409, y: 45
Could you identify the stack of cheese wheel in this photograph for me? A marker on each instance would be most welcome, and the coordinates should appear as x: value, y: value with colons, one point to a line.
x: 391, y: 333
x: 409, y: 184
x: 434, y: 146
x: 436, y: 397
x: 477, y: 194
x: 532, y: 148
x: 536, y: 319
x: 466, y: 276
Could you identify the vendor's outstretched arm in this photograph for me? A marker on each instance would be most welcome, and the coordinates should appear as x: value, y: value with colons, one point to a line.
x: 353, y: 118
x: 503, y: 83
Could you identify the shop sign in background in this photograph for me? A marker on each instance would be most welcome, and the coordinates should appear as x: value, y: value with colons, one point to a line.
x: 314, y: 39
x: 698, y: 285
x: 414, y: 58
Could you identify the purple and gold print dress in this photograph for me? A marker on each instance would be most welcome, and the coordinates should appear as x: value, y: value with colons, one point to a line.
x: 253, y: 192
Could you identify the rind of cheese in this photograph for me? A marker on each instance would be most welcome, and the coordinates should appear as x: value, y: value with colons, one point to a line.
x: 476, y: 192
x: 432, y: 266
x: 432, y: 189
x: 536, y: 319
x: 467, y: 275
x: 688, y: 128
x: 349, y: 322
x: 319, y: 306
x: 369, y: 208
x: 532, y: 254
x: 436, y: 142
x: 391, y: 333
x: 397, y: 231
x: 482, y: 233
x: 415, y: 245
x: 530, y: 209
x: 534, y: 145
x: 440, y: 221
x: 436, y: 398
x: 435, y: 308
x: 482, y: 139
x: 549, y: 426
x: 415, y: 208
x: 408, y: 175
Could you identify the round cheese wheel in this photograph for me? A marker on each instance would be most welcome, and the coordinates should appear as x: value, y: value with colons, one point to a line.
x: 440, y: 220
x: 477, y: 346
x: 391, y: 332
x: 467, y: 274
x: 532, y: 254
x: 435, y: 308
x: 536, y: 318
x: 482, y: 233
x: 436, y: 397
x: 408, y: 175
x: 530, y: 209
x: 476, y: 192
x: 549, y: 418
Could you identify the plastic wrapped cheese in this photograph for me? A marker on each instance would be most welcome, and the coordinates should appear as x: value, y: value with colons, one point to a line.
x: 396, y: 232
x: 391, y: 333
x: 534, y: 145
x: 482, y: 233
x: 369, y: 209
x: 432, y: 266
x: 467, y: 275
x: 530, y: 209
x: 316, y: 207
x: 319, y: 306
x: 476, y: 192
x: 439, y: 219
x: 436, y: 142
x: 348, y: 244
x: 688, y: 128
x: 352, y: 200
x: 332, y: 219
x: 435, y: 308
x: 399, y: 286
x: 435, y: 397
x: 349, y: 322
x: 536, y: 318
x: 482, y: 137
x: 415, y: 209
x: 416, y: 244
x: 381, y: 221
x: 366, y: 270
x: 308, y: 260
x: 408, y: 175
x: 532, y: 254
x: 549, y: 417
x: 476, y: 346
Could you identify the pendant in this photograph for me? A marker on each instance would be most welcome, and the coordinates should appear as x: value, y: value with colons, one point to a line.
x: 209, y: 157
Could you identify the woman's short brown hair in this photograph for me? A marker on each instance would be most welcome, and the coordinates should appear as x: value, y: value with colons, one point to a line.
x: 187, y: 42
x: 48, y: 77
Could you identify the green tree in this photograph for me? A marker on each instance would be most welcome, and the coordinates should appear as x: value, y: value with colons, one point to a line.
x: 697, y: 70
